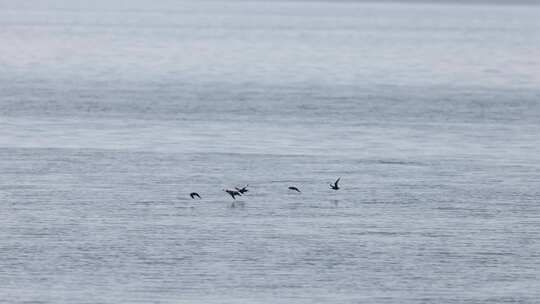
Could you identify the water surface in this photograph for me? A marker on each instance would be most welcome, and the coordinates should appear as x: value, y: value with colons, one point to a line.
x: 110, y: 115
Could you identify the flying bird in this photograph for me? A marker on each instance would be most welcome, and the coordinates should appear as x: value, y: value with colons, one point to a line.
x: 295, y: 189
x: 242, y: 190
x: 194, y: 194
x: 335, y: 185
x: 233, y: 193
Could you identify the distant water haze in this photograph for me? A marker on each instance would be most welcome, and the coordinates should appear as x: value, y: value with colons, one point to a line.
x: 113, y: 112
x: 251, y: 42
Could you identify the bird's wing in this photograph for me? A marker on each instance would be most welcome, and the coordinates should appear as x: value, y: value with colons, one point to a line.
x: 337, y: 181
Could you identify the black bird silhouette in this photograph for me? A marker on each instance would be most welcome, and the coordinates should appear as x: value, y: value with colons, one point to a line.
x: 194, y: 194
x: 335, y: 185
x: 295, y: 189
x: 233, y: 193
x: 242, y: 190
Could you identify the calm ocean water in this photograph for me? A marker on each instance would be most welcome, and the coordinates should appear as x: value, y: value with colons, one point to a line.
x: 112, y: 113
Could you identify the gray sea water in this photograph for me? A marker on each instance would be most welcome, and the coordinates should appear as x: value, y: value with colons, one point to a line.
x: 112, y: 112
